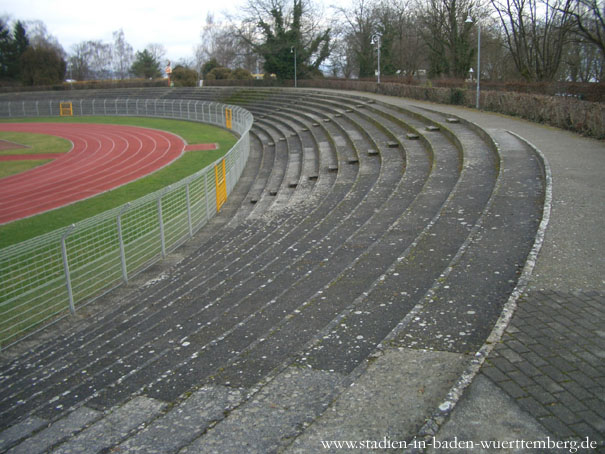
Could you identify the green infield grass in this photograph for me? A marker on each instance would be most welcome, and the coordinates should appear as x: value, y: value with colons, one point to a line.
x: 29, y: 144
x: 34, y: 143
x: 8, y: 168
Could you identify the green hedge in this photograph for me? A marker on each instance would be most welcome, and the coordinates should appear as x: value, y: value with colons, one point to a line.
x: 583, y: 117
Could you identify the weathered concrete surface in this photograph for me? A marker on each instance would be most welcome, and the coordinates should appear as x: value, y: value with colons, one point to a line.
x: 571, y: 261
x: 490, y: 415
x: 391, y: 399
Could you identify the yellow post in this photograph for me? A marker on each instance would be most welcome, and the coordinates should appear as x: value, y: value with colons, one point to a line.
x: 221, y: 184
x: 66, y: 109
x: 228, y: 117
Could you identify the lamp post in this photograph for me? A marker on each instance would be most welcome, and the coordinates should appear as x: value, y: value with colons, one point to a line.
x: 470, y: 21
x: 293, y: 49
x: 376, y: 41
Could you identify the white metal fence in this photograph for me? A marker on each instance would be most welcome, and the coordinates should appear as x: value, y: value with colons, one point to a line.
x: 44, y: 277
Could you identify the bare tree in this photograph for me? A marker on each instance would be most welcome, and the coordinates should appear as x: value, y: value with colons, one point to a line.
x: 156, y: 50
x: 123, y: 55
x: 582, y: 62
x: 78, y: 63
x: 588, y: 18
x: 223, y: 42
x: 38, y: 36
x: 91, y: 60
x: 206, y: 50
x: 361, y: 25
x: 401, y: 29
x: 496, y: 60
x: 536, y: 34
x: 342, y: 60
x: 585, y: 57
x: 448, y: 36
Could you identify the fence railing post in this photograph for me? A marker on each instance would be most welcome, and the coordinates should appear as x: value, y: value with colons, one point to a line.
x: 70, y: 294
x: 161, y: 222
x: 189, y: 221
x: 206, y: 195
x: 121, y: 241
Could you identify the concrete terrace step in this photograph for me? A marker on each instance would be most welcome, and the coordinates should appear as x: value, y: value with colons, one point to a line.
x: 370, y: 267
x: 281, y: 152
x: 303, y: 161
x: 268, y: 323
x: 459, y: 315
x: 85, y: 430
x: 299, y: 273
x: 302, y: 123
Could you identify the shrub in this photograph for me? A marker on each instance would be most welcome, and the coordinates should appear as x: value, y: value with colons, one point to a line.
x: 565, y: 112
x: 241, y: 74
x: 456, y: 96
x: 184, y: 77
x: 219, y: 73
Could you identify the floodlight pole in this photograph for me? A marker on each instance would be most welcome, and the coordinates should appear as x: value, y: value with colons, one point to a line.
x: 470, y: 21
x: 478, y: 62
x: 376, y: 40
x: 293, y: 49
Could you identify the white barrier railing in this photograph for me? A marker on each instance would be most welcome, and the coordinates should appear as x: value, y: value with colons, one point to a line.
x: 43, y: 277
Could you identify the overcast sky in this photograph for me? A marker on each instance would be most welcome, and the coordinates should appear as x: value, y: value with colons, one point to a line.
x: 174, y: 23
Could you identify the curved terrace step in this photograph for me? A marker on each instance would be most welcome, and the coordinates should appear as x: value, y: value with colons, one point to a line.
x: 413, y: 247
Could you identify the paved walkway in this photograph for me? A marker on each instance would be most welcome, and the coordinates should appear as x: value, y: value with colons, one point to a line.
x: 546, y: 377
x: 554, y: 369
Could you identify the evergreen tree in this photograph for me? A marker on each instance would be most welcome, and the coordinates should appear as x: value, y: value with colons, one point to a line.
x: 145, y: 65
x: 448, y: 37
x: 209, y: 66
x: 42, y: 65
x: 20, y: 39
x: 12, y: 47
x: 19, y: 46
x: 5, y: 46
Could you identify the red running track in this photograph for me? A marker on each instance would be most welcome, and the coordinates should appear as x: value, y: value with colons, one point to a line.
x: 103, y: 157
